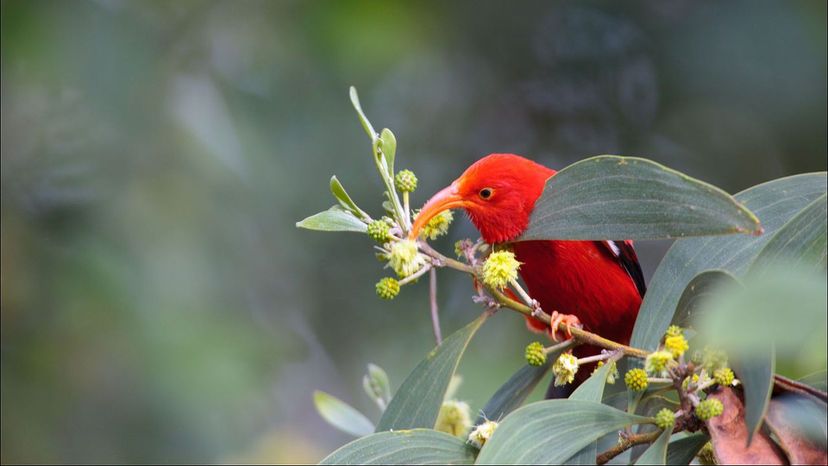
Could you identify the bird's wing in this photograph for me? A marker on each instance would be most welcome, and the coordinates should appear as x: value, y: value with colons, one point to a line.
x: 624, y: 253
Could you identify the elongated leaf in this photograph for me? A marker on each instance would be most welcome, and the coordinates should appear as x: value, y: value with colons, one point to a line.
x: 344, y: 199
x: 389, y: 148
x: 591, y: 390
x: 551, y: 431
x: 334, y: 219
x: 418, y: 446
x: 774, y: 202
x: 756, y: 374
x: 341, y: 415
x: 682, y: 451
x: 417, y: 402
x: 610, y: 197
x: 656, y: 453
x: 366, y: 125
x: 802, y: 240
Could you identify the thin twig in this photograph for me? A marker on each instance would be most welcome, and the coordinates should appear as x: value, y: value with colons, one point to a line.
x: 435, y: 316
x: 626, y: 442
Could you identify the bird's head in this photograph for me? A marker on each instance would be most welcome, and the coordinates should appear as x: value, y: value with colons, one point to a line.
x: 498, y: 192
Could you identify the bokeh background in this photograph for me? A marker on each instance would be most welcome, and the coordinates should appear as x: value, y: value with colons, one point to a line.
x: 158, y: 303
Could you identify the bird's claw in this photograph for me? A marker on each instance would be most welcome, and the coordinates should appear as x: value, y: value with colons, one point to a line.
x: 569, y: 320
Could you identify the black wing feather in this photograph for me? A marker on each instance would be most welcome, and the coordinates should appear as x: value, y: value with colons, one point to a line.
x: 624, y: 253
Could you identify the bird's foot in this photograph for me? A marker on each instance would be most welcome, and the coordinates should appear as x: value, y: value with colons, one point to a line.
x: 569, y: 320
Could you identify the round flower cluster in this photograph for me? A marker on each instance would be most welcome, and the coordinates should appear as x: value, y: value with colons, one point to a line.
x: 636, y: 380
x: 379, y: 231
x: 438, y: 225
x: 535, y: 355
x: 709, y: 409
x: 404, y: 258
x: 665, y: 419
x: 406, y: 181
x: 500, y: 268
x: 388, y: 288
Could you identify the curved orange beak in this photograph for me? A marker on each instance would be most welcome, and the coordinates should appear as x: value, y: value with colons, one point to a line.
x: 446, y: 199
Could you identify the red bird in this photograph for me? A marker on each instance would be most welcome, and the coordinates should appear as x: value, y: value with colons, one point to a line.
x: 597, y: 284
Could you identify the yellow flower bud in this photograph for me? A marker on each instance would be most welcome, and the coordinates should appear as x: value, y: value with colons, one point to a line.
x: 709, y: 409
x: 636, y: 380
x: 673, y: 331
x: 658, y: 362
x: 405, y: 181
x: 379, y: 231
x: 676, y: 345
x: 724, y: 376
x: 388, y: 288
x: 535, y: 355
x: 665, y: 419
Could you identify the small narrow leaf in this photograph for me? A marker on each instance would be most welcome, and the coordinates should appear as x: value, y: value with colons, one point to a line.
x: 551, y: 431
x: 341, y: 415
x: 334, y: 219
x: 682, y: 451
x: 417, y: 402
x: 389, y: 148
x: 774, y: 202
x: 610, y: 197
x: 418, y: 446
x: 756, y: 374
x: 377, y: 386
x: 366, y: 125
x: 656, y: 453
x: 344, y: 199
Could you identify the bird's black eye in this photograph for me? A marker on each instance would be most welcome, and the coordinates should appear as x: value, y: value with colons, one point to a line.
x: 486, y: 193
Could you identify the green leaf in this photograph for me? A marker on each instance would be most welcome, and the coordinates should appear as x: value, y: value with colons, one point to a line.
x: 774, y: 203
x: 514, y: 392
x: 683, y: 450
x: 756, y: 374
x: 591, y: 390
x: 551, y: 431
x: 344, y: 199
x: 802, y: 240
x: 341, y: 415
x: 418, y: 400
x: 334, y: 219
x: 610, y: 197
x: 418, y: 446
x: 366, y: 125
x: 700, y: 289
x: 389, y: 148
x: 656, y: 453
x: 377, y: 386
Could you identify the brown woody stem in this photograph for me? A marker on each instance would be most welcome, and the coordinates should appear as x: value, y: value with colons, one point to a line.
x: 626, y: 443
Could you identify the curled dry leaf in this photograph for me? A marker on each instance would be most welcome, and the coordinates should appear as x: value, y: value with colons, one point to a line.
x: 729, y: 435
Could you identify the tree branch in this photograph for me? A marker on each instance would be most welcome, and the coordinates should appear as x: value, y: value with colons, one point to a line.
x: 626, y: 443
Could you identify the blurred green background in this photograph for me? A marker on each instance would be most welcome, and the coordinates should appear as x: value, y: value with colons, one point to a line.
x: 158, y: 303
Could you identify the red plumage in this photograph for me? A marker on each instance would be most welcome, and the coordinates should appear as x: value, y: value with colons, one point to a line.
x: 598, y: 282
